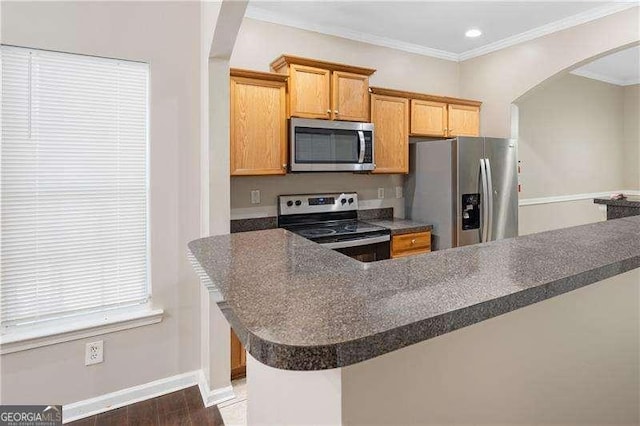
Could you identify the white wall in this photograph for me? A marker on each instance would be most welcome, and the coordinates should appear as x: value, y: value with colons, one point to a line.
x: 259, y: 43
x: 167, y: 35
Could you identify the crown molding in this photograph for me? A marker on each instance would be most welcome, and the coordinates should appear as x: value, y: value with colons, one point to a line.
x: 552, y: 27
x: 605, y: 78
x: 255, y: 12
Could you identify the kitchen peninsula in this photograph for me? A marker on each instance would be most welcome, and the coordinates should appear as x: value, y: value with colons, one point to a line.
x: 629, y: 206
x: 298, y: 306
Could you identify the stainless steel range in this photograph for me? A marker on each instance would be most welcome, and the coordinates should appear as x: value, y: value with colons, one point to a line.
x: 332, y: 220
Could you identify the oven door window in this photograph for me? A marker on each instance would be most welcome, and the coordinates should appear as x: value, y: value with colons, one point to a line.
x: 318, y: 146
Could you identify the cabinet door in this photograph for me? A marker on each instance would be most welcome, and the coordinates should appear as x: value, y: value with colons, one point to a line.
x: 309, y: 92
x: 238, y: 358
x: 464, y: 120
x: 258, y: 127
x: 428, y: 118
x: 390, y: 116
x: 350, y: 96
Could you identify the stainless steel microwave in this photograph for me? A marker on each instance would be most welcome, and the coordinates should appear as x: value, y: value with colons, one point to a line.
x: 330, y: 146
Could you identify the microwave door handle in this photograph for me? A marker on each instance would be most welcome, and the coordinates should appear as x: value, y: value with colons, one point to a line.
x: 362, y: 146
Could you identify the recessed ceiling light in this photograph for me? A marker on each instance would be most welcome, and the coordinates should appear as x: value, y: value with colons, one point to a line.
x: 473, y: 32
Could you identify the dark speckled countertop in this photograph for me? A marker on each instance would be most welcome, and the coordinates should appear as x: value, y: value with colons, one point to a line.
x: 296, y: 305
x: 630, y: 201
x: 401, y: 226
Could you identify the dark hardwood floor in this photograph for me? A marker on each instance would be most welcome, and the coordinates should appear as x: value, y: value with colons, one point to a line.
x: 183, y: 407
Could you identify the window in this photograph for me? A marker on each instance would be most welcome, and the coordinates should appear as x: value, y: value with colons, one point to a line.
x: 74, y: 185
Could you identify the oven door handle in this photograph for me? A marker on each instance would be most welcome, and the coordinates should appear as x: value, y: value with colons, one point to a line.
x: 356, y: 243
x: 362, y: 146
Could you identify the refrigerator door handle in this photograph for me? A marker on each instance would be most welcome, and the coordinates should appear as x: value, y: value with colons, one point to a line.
x: 487, y: 166
x: 484, y: 203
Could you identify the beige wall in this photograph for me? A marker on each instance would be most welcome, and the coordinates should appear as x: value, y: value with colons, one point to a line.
x: 632, y: 136
x: 167, y: 35
x: 259, y: 43
x: 270, y: 187
x: 570, y: 360
x: 576, y: 136
x: 571, y: 138
x: 545, y: 217
x: 501, y: 77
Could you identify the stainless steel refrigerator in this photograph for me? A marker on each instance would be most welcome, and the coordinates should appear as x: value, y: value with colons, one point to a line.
x: 465, y: 187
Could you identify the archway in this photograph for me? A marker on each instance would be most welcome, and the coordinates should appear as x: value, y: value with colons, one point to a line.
x: 575, y: 143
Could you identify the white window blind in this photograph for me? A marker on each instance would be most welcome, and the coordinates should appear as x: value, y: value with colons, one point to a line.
x: 73, y: 185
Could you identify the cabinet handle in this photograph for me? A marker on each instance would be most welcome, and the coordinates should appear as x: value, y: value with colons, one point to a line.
x: 413, y: 241
x: 336, y: 112
x: 328, y: 111
x: 284, y: 167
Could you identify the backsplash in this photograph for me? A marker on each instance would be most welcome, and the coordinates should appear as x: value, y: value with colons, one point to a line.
x: 366, y: 185
x: 260, y: 223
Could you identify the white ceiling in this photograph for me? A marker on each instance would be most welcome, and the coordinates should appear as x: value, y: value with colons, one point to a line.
x: 434, y: 28
x: 621, y: 68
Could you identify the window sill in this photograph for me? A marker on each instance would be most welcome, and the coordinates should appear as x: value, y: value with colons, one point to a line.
x: 45, y: 334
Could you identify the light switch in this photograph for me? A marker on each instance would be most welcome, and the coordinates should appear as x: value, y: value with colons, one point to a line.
x: 380, y: 192
x: 255, y: 196
x: 398, y: 192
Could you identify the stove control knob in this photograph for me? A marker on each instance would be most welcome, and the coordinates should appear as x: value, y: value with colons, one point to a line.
x: 343, y: 201
x: 350, y: 200
x: 289, y: 203
x: 298, y: 202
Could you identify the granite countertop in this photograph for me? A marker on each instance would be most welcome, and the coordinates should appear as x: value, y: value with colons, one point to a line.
x: 299, y: 306
x: 401, y: 226
x: 630, y: 201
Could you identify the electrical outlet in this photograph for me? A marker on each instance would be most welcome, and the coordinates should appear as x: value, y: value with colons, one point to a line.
x: 398, y: 192
x: 380, y: 192
x: 255, y: 196
x: 93, y: 353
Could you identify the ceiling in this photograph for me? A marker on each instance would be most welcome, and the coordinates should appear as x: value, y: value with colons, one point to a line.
x: 621, y: 68
x: 434, y: 28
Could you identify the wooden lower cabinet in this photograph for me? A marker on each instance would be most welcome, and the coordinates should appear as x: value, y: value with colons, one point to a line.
x: 410, y: 244
x: 390, y: 116
x: 464, y: 120
x: 238, y: 358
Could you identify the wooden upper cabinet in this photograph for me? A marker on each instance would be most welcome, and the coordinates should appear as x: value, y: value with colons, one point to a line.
x: 464, y: 120
x: 390, y: 116
x: 320, y: 89
x: 428, y: 118
x: 310, y: 92
x: 350, y: 96
x: 258, y: 127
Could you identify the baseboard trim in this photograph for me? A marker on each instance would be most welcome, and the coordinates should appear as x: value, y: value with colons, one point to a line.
x: 100, y: 404
x: 573, y: 197
x: 215, y: 396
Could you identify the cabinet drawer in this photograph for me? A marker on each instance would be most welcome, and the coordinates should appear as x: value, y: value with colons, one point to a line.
x: 408, y: 244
